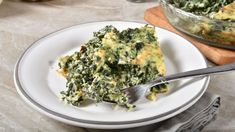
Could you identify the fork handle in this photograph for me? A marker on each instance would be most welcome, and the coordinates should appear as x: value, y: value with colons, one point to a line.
x: 194, y: 73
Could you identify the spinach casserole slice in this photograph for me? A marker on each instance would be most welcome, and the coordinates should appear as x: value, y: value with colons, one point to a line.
x: 110, y: 61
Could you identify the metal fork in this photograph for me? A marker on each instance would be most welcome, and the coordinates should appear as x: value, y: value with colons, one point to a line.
x: 136, y: 92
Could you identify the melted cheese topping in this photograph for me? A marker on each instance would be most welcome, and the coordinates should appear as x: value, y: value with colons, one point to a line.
x: 109, y: 40
x: 151, y: 53
x: 226, y: 13
x: 101, y: 53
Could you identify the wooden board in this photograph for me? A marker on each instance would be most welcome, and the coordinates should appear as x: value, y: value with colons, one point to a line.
x: 155, y: 16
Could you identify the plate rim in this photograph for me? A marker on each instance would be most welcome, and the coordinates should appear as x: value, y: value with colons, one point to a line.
x: 99, y: 124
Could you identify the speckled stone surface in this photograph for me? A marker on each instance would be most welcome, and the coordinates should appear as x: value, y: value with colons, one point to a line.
x: 22, y: 23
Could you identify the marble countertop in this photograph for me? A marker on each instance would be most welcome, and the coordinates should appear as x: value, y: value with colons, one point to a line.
x: 22, y: 23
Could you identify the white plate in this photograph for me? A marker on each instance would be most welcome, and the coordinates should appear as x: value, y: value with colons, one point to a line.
x: 39, y: 84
